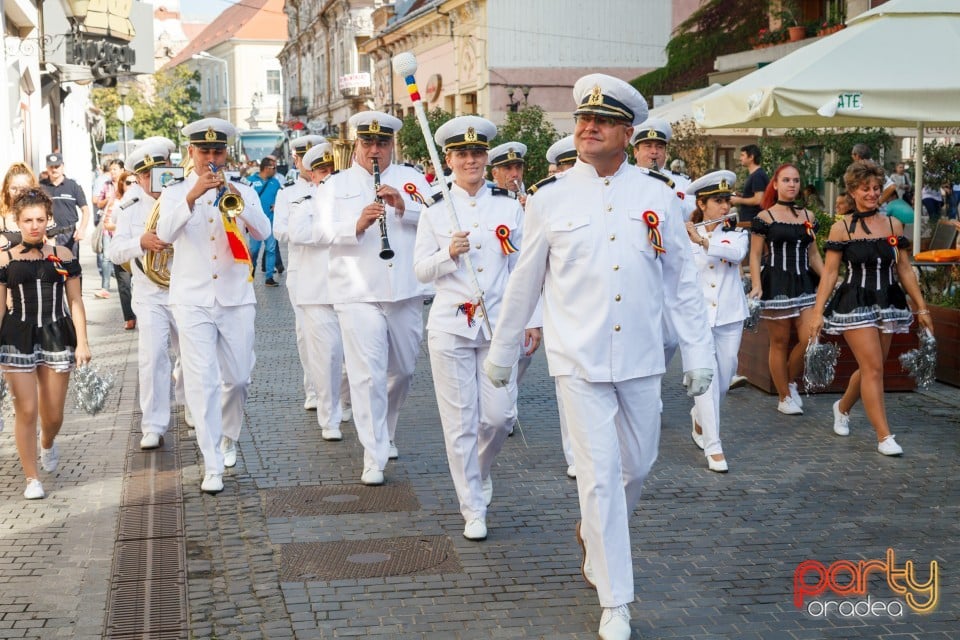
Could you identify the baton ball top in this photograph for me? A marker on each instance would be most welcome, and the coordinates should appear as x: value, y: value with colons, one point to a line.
x: 405, y: 64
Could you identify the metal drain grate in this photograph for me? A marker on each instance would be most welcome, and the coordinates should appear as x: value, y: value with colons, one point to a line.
x: 149, y: 487
x: 150, y: 521
x: 352, y: 560
x: 155, y: 609
x: 153, y: 460
x: 339, y: 499
x: 154, y: 558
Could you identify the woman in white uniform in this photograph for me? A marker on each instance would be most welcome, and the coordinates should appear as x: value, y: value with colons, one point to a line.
x: 476, y: 416
x: 719, y: 248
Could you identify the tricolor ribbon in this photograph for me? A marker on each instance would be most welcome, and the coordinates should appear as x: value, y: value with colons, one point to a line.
x: 653, y: 231
x: 468, y: 309
x: 238, y: 245
x: 411, y: 190
x: 503, y: 234
x: 809, y: 227
x: 895, y: 243
x: 58, y: 266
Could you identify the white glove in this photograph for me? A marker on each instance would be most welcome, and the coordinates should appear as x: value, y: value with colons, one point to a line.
x: 498, y: 375
x: 699, y: 381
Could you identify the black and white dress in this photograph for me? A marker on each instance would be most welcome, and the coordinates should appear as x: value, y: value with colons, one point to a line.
x: 789, y: 285
x: 38, y: 329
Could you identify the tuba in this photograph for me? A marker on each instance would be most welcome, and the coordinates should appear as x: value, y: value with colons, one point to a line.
x: 156, y: 264
x: 342, y: 152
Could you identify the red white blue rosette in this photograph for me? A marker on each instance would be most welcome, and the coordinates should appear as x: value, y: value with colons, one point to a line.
x: 503, y: 235
x: 653, y: 231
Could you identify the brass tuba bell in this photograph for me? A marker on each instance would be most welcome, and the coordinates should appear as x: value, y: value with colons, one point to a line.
x: 156, y: 264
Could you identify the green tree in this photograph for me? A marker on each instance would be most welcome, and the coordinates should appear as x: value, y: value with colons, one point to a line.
x: 410, y: 138
x: 530, y: 126
x: 691, y: 144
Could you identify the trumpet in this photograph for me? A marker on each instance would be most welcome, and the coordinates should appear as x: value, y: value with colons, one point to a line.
x: 385, y: 251
x: 716, y: 220
x: 229, y: 202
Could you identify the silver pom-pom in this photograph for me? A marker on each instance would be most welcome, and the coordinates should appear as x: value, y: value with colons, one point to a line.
x: 90, y: 388
x: 820, y: 364
x: 752, y: 321
x: 921, y: 363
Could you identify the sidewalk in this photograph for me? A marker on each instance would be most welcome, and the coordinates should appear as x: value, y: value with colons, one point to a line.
x: 295, y: 547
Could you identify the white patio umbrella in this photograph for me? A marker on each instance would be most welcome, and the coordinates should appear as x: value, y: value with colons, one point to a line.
x: 682, y: 109
x: 893, y: 66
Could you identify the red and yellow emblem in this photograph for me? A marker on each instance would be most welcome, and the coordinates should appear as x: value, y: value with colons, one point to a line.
x: 503, y: 234
x: 58, y: 266
x: 411, y: 190
x: 653, y: 231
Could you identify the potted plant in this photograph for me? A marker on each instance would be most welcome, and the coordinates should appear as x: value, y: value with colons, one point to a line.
x: 790, y: 19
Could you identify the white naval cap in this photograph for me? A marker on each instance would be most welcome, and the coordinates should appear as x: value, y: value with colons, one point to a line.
x: 304, y: 143
x: 507, y: 153
x: 209, y: 132
x: 715, y: 183
x: 603, y: 95
x: 318, y: 155
x: 562, y: 151
x: 170, y: 145
x: 150, y: 154
x: 652, y: 129
x: 465, y: 132
x: 375, y: 124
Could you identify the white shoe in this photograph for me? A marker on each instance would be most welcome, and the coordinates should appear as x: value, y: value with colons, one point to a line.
x: 372, y: 477
x: 487, y: 490
x: 720, y: 466
x: 310, y: 404
x: 586, y: 569
x: 188, y: 417
x: 393, y: 454
x: 889, y: 447
x: 150, y: 440
x: 347, y: 415
x: 697, y: 437
x: 615, y: 623
x: 476, y: 529
x: 49, y: 458
x: 34, y: 490
x: 841, y: 420
x: 229, y: 448
x: 332, y: 434
x: 212, y: 483
x: 789, y: 407
x: 738, y: 381
x: 795, y: 394
x: 572, y: 471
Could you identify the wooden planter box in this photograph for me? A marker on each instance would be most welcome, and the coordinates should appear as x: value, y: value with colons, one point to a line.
x: 754, y: 348
x: 946, y: 327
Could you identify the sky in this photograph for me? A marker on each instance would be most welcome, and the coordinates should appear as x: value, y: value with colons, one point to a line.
x: 203, y: 11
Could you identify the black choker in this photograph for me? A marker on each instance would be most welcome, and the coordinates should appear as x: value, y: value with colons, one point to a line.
x: 792, y: 205
x: 27, y: 246
x: 861, y: 216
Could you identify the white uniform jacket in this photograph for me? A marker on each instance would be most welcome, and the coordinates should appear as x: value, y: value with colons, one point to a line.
x: 688, y: 204
x: 719, y: 270
x: 205, y: 272
x: 604, y: 287
x: 281, y: 217
x: 481, y: 215
x: 125, y: 244
x: 313, y: 286
x: 357, y: 274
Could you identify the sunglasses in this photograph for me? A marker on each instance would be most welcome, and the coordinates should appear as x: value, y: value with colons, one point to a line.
x: 132, y: 181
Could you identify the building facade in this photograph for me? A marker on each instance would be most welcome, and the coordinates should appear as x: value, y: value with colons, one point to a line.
x: 24, y: 132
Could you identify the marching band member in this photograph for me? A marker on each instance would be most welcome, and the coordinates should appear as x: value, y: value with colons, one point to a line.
x: 476, y: 417
x: 719, y: 248
x: 211, y: 292
x: 606, y: 244
x: 158, y: 331
x: 649, y: 144
x: 296, y: 191
x: 378, y: 301
x: 562, y: 154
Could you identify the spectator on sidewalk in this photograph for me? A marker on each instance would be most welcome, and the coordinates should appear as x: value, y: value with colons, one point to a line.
x: 69, y: 227
x: 103, y: 199
x: 18, y: 179
x: 124, y: 281
x: 748, y: 202
x: 267, y: 186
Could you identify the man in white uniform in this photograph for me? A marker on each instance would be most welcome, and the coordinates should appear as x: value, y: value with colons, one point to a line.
x: 562, y: 154
x: 211, y: 293
x: 158, y: 332
x: 649, y: 142
x: 606, y: 243
x: 378, y: 300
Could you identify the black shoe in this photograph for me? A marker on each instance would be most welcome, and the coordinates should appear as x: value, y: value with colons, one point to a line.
x: 280, y: 268
x: 270, y: 282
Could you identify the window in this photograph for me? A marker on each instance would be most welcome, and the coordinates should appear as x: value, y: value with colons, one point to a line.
x: 273, y: 82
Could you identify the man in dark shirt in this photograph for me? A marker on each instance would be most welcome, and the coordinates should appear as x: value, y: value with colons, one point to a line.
x: 748, y: 202
x: 67, y: 197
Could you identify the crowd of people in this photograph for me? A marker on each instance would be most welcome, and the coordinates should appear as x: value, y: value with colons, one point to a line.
x: 603, y: 263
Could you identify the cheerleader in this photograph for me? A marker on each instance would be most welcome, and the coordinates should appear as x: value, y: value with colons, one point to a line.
x: 785, y: 268
x: 869, y: 306
x: 719, y: 248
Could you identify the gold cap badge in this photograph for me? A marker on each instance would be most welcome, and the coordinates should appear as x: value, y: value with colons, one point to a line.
x: 210, y: 135
x: 596, y: 96
x: 470, y: 135
x: 374, y: 126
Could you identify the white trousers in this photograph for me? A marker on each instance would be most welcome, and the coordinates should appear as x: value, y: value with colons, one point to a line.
x: 156, y: 337
x: 217, y: 360
x: 324, y: 349
x: 381, y: 341
x: 476, y: 416
x: 706, y: 407
x: 308, y: 388
x: 565, y: 442
x: 615, y: 431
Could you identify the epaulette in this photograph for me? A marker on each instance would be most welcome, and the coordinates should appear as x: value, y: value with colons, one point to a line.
x: 413, y: 166
x: 240, y: 179
x: 532, y: 189
x: 437, y: 197
x: 330, y: 175
x: 129, y: 203
x: 659, y: 176
x: 173, y: 182
x: 299, y: 200
x: 290, y: 182
x: 500, y: 191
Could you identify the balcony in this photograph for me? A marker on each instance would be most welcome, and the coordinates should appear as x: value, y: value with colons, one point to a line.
x: 299, y: 106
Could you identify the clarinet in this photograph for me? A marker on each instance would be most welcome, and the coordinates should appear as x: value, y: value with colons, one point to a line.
x: 385, y: 251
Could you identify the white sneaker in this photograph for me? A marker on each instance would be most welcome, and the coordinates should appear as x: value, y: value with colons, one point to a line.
x: 372, y: 477
x: 738, y: 381
x: 49, y: 458
x: 720, y: 466
x: 841, y: 421
x: 188, y: 417
x: 795, y: 394
x: 476, y: 529
x: 229, y: 448
x: 789, y: 407
x: 394, y: 454
x: 572, y: 471
x: 332, y: 434
x: 889, y: 447
x: 347, y: 415
x: 487, y: 490
x: 310, y: 404
x: 34, y: 490
x: 697, y: 437
x: 212, y: 483
x: 150, y: 440
x: 615, y: 623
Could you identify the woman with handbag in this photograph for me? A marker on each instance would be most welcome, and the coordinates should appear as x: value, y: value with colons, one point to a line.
x: 124, y: 278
